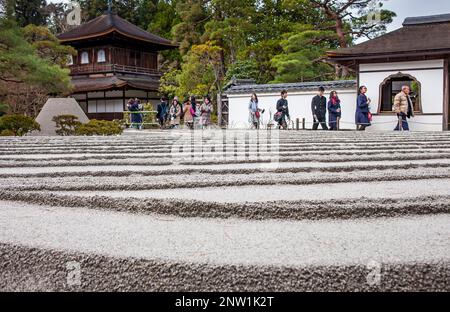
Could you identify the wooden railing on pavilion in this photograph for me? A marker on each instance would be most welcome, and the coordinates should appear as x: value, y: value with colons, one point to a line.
x: 112, y: 68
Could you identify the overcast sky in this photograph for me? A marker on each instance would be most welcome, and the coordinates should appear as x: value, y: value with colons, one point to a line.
x: 407, y: 8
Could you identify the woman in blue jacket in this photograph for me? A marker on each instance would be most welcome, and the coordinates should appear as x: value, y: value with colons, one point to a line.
x: 362, y: 110
x: 334, y: 110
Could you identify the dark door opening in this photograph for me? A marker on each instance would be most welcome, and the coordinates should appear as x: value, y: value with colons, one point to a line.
x: 447, y: 96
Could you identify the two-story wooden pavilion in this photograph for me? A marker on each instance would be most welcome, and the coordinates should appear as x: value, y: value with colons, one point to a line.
x: 116, y: 61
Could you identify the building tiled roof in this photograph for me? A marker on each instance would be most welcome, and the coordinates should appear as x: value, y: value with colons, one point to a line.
x: 88, y: 84
x: 109, y: 23
x: 432, y: 19
x: 424, y: 35
x: 237, y: 88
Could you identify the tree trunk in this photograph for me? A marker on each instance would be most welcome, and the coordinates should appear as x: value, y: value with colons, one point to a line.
x: 343, y: 71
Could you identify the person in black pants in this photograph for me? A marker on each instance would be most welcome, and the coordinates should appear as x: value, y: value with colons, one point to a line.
x: 282, y: 111
x: 163, y: 112
x: 319, y: 109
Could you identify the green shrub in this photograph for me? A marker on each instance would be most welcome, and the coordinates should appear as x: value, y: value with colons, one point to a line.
x: 66, y: 125
x: 6, y: 133
x: 99, y: 127
x: 3, y: 109
x: 19, y: 125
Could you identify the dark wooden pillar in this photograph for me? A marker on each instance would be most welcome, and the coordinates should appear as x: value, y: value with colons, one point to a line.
x: 219, y: 109
x: 446, y: 117
x: 124, y: 99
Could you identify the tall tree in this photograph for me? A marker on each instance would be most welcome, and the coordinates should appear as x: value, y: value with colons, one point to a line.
x: 47, y: 45
x: 26, y: 79
x: 352, y: 20
x: 30, y: 12
x: 131, y: 10
x: 193, y: 15
x: 302, y: 58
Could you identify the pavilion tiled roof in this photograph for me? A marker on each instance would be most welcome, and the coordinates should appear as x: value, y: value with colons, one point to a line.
x: 90, y: 84
x: 424, y: 35
x: 109, y: 23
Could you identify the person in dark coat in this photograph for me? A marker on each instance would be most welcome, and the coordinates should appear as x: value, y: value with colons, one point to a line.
x: 282, y: 111
x: 136, y: 118
x: 334, y: 110
x: 319, y: 109
x: 162, y: 112
x: 362, y: 110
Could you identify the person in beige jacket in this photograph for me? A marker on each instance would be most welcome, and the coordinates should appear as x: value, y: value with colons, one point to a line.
x: 404, y: 108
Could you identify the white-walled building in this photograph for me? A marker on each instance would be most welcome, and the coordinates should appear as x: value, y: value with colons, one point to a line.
x: 299, y: 98
x: 416, y: 55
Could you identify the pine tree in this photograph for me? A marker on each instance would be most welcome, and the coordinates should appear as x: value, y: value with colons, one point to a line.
x: 26, y: 79
x: 30, y: 12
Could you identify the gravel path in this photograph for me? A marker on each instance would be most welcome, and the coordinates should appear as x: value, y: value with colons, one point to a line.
x: 326, y: 192
x: 233, y: 242
x: 331, y: 206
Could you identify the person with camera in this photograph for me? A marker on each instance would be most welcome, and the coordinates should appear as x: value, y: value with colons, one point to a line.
x: 282, y: 111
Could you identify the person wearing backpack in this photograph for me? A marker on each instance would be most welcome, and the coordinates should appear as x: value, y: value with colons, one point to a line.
x: 282, y: 111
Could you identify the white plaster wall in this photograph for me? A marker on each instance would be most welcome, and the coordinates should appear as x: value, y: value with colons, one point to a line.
x: 299, y: 107
x: 432, y: 82
x: 402, y: 65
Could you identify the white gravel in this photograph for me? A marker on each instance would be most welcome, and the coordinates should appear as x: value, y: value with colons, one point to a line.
x: 264, y: 193
x: 281, y: 243
x: 274, y: 165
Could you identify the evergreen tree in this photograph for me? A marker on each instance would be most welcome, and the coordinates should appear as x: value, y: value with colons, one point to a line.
x: 26, y: 79
x: 30, y: 12
x: 302, y: 55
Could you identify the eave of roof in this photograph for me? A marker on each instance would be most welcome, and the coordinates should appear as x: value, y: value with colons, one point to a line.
x: 89, y: 84
x: 111, y: 23
x: 423, y: 36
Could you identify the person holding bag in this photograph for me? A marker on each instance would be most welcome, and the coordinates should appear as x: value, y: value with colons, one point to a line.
x: 362, y: 110
x: 334, y: 111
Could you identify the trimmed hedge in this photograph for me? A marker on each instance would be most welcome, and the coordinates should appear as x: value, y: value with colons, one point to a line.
x: 17, y: 125
x: 66, y: 125
x: 99, y: 127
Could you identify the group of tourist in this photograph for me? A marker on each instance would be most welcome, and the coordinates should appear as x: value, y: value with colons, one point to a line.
x: 319, y: 107
x: 195, y: 115
x: 403, y: 107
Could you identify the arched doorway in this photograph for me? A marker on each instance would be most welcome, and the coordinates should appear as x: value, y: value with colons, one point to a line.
x: 392, y: 85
